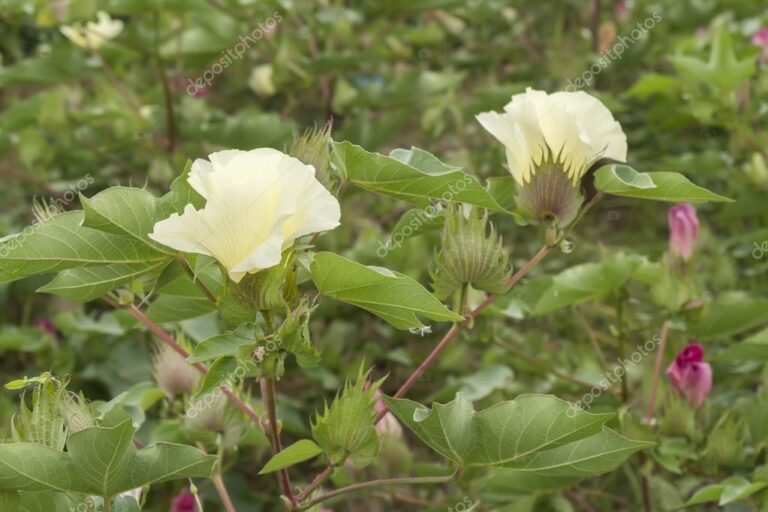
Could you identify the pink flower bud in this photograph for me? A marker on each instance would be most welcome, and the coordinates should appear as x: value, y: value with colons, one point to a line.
x: 761, y: 39
x: 388, y: 424
x: 690, y: 375
x: 184, y: 502
x: 45, y: 324
x: 683, y: 230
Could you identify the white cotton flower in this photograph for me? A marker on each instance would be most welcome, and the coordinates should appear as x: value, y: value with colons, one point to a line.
x: 569, y: 129
x: 94, y: 34
x: 261, y: 82
x: 257, y: 203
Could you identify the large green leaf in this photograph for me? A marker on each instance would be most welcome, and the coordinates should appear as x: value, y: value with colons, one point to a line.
x: 89, y: 283
x: 34, y: 467
x: 221, y: 345
x: 61, y: 242
x: 299, y: 451
x: 411, y: 175
x: 586, y: 457
x: 395, y: 297
x: 123, y: 211
x: 622, y: 180
x: 100, y: 455
x: 502, y: 435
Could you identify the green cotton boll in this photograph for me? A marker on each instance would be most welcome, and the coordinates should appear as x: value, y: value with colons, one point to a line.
x: 550, y: 197
x: 471, y: 254
x: 346, y: 428
x: 679, y: 417
x: 724, y: 444
x: 44, y: 423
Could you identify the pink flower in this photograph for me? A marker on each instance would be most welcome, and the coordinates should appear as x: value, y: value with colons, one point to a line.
x: 184, y: 502
x: 761, y: 39
x: 622, y: 10
x: 683, y: 230
x: 46, y: 325
x: 690, y: 375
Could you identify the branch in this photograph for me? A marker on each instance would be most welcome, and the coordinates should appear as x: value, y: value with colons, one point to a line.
x: 268, y: 397
x: 383, y: 483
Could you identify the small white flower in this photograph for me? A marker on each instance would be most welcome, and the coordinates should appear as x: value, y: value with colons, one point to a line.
x: 257, y: 203
x: 261, y: 82
x: 94, y: 34
x: 569, y: 129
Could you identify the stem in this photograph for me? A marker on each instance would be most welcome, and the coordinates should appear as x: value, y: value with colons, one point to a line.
x: 218, y: 482
x: 107, y: 503
x: 657, y: 371
x: 168, y: 340
x: 268, y: 396
x: 170, y: 117
x: 622, y: 339
x: 383, y: 483
x: 454, y: 330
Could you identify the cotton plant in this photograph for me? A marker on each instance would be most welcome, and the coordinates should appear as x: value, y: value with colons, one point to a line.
x: 239, y: 232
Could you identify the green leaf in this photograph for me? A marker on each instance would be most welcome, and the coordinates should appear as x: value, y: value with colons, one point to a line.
x: 181, y: 194
x: 412, y: 175
x: 172, y: 308
x: 730, y: 490
x: 591, y: 456
x: 34, y: 467
x: 61, y: 243
x: 502, y: 435
x: 217, y: 374
x: 221, y: 345
x: 392, y: 296
x: 729, y: 315
x: 123, y: 211
x: 9, y: 501
x: 586, y: 282
x: 754, y: 348
x: 89, y: 283
x: 297, y: 452
x: 99, y: 460
x: 100, y: 455
x: 622, y: 180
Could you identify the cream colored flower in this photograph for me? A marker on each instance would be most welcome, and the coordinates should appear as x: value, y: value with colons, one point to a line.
x: 257, y: 203
x: 568, y: 129
x: 94, y: 34
x: 261, y: 82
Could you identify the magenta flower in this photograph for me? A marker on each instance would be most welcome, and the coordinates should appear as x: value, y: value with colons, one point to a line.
x: 690, y: 375
x: 683, y: 230
x: 46, y: 324
x: 761, y: 39
x: 184, y: 502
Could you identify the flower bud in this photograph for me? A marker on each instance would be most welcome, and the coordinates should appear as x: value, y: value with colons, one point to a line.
x: 44, y: 423
x: 683, y: 230
x: 470, y: 254
x: 261, y: 82
x: 388, y: 426
x: 690, y: 375
x: 184, y: 502
x: 174, y: 376
x: 346, y: 428
x: 314, y: 147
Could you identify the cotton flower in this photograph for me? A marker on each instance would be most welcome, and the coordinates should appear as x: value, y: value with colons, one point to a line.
x: 261, y: 82
x: 690, y: 375
x: 683, y: 230
x: 257, y: 203
x: 94, y: 34
x: 551, y: 141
